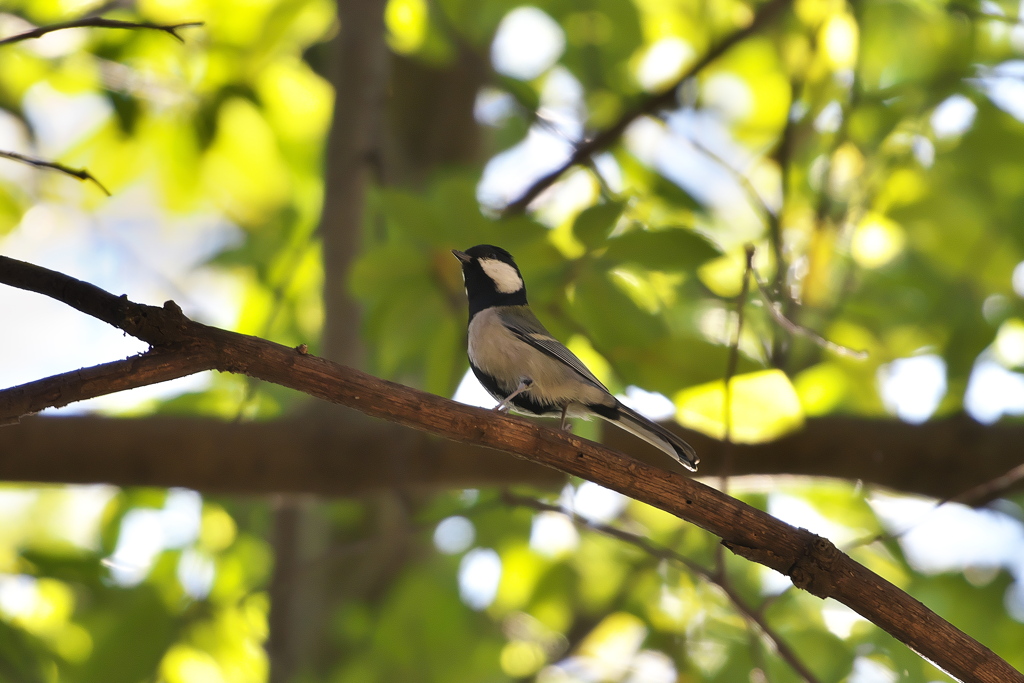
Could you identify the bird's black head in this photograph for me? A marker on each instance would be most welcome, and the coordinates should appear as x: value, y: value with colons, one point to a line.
x: 492, y: 278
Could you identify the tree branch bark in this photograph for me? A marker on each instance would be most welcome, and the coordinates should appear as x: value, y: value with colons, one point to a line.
x: 812, y: 562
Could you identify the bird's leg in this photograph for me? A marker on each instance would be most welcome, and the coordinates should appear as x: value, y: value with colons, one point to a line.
x: 562, y: 426
x: 524, y: 384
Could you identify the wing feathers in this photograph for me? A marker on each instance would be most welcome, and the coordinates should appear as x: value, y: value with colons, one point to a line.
x: 523, y: 324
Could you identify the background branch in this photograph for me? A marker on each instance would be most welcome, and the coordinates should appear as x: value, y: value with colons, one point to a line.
x: 81, y: 174
x: 666, y: 98
x: 100, y: 22
x: 940, y: 459
x: 812, y: 562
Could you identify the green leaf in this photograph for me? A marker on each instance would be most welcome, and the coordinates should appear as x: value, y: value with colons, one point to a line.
x: 674, y: 195
x: 23, y: 658
x: 671, y: 249
x: 822, y: 652
x: 594, y: 223
x: 608, y: 316
x: 138, y: 616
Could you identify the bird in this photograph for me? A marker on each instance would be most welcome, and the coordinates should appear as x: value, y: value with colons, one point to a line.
x: 527, y: 370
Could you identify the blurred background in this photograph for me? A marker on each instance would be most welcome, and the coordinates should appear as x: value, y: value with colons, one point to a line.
x: 300, y: 170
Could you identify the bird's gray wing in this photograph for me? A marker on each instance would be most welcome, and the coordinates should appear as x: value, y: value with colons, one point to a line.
x: 520, y: 321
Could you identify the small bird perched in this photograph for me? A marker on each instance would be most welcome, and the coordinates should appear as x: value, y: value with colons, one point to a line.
x: 523, y: 367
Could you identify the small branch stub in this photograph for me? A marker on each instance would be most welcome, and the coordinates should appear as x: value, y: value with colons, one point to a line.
x: 813, y: 571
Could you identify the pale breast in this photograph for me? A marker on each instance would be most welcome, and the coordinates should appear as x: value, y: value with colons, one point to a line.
x: 502, y: 355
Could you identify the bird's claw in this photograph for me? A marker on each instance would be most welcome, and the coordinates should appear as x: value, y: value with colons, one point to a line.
x: 524, y: 384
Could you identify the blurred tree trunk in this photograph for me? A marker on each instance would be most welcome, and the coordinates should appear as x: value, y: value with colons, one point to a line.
x: 358, y: 72
x: 426, y: 122
x: 430, y: 116
x: 357, y: 69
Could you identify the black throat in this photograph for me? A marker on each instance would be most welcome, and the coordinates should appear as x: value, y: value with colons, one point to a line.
x: 482, y: 300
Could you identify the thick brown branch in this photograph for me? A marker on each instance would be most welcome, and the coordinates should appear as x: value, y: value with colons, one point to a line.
x: 148, y: 323
x: 812, y: 562
x: 160, y: 365
x: 666, y: 98
x: 79, y: 173
x: 100, y: 22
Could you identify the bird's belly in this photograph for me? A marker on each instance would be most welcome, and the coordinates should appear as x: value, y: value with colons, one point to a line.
x: 506, y: 361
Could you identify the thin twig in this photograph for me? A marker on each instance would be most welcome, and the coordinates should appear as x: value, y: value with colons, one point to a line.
x: 976, y: 496
x: 738, y: 175
x: 752, y: 615
x: 782, y: 155
x: 794, y: 328
x: 81, y: 174
x: 734, y: 347
x: 606, y: 189
x: 661, y: 100
x: 100, y: 22
x: 990, y: 490
x: 730, y: 371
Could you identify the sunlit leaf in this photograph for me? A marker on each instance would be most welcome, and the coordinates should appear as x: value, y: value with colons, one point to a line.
x: 762, y: 406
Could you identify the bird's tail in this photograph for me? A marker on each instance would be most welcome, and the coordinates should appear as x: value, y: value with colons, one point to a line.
x: 659, y: 437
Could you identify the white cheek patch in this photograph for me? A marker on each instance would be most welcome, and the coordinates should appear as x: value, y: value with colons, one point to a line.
x: 506, y: 279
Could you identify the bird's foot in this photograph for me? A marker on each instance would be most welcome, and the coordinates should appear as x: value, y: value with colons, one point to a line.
x: 564, y: 425
x: 504, y: 406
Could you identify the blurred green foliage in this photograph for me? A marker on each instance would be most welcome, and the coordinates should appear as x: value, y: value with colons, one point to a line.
x: 874, y: 147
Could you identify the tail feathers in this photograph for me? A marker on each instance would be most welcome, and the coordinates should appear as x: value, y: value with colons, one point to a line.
x: 657, y: 436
